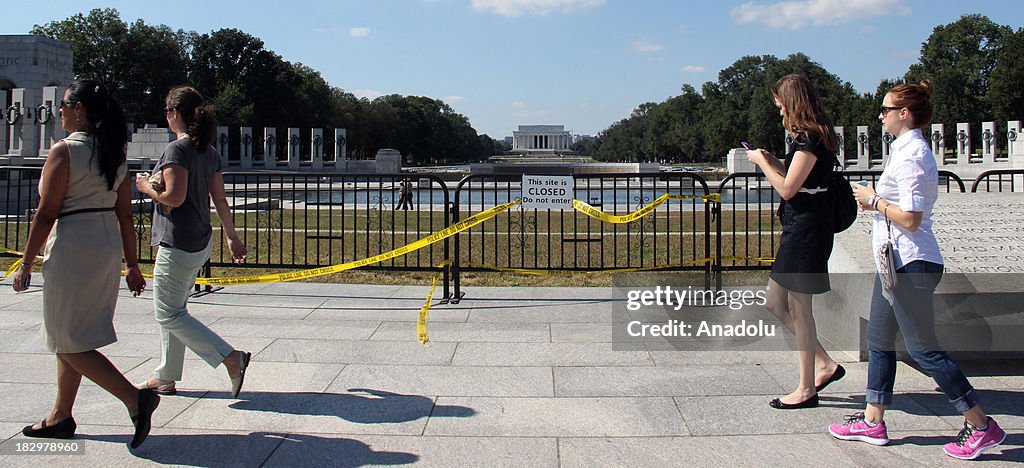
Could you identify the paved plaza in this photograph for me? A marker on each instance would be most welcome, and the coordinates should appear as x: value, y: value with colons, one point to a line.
x: 522, y: 376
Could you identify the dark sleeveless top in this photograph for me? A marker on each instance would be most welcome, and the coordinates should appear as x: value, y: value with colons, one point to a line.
x: 801, y: 261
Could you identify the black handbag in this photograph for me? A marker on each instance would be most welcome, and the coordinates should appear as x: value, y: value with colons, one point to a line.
x: 844, y: 204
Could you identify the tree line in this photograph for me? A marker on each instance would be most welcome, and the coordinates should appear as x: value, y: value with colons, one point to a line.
x: 976, y: 67
x: 255, y: 87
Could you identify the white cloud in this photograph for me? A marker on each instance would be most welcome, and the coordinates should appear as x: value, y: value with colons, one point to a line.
x: 370, y: 94
x: 514, y: 8
x: 646, y: 46
x: 359, y: 32
x: 795, y: 14
x: 519, y: 105
x: 453, y: 99
x: 693, y: 69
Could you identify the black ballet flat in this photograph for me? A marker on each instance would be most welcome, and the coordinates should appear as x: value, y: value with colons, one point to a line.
x: 143, y: 421
x: 62, y: 430
x: 811, y: 402
x: 838, y: 374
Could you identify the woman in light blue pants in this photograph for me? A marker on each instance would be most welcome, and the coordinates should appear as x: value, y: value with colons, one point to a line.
x: 186, y: 177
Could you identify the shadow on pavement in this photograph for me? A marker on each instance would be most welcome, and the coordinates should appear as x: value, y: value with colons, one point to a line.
x: 374, y: 407
x: 256, y: 448
x: 1002, y: 453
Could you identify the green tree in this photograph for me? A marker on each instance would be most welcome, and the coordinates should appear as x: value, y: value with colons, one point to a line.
x: 959, y: 59
x: 123, y: 56
x: 1005, y: 94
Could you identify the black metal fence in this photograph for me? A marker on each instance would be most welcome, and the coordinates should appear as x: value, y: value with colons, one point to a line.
x: 303, y: 220
x: 1001, y: 180
x: 674, y: 237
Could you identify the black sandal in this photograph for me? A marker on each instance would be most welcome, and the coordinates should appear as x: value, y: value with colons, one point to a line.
x: 62, y: 430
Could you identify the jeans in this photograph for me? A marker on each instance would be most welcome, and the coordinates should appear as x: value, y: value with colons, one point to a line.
x: 911, y: 312
x: 174, y: 274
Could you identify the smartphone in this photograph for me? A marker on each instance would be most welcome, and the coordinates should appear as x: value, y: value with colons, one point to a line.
x: 746, y: 145
x: 863, y: 183
x: 26, y: 279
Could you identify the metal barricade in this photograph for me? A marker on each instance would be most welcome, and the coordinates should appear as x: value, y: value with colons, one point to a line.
x: 676, y: 236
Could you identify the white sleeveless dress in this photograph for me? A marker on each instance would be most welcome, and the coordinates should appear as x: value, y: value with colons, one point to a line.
x: 82, y: 259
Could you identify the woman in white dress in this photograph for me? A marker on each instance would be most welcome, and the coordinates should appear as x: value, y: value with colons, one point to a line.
x: 84, y: 218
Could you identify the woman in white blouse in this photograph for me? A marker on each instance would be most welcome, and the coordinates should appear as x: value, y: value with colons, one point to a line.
x: 902, y: 202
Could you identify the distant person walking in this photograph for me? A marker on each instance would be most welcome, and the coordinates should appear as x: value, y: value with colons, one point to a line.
x: 800, y: 269
x: 85, y: 220
x: 903, y: 202
x: 191, y: 174
x: 404, y: 195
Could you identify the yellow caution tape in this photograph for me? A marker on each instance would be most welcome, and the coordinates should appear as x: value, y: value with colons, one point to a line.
x: 595, y: 213
x: 421, y: 322
x: 408, y: 248
x: 14, y: 266
x: 744, y: 259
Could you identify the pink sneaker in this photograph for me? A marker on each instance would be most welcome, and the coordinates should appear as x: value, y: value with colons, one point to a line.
x: 855, y: 428
x: 971, y: 442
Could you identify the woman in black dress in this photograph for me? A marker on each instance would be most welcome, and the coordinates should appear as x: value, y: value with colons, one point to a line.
x: 801, y: 262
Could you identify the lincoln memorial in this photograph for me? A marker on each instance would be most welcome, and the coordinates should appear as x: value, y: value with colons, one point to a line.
x: 540, y: 137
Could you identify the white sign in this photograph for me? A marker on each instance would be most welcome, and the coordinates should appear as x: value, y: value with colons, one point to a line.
x: 547, y: 192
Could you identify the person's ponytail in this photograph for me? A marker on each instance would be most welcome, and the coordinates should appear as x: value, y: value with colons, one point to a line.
x: 200, y: 122
x: 202, y: 128
x: 106, y: 124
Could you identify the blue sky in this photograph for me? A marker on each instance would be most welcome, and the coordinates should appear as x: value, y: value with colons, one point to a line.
x: 584, y: 64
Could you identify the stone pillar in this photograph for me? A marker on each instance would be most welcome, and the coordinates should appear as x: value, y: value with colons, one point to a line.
x: 1014, y: 138
x: 293, y: 148
x: 316, y: 147
x: 22, y: 125
x: 841, y: 154
x: 963, y: 144
x: 246, y: 146
x: 863, y: 148
x: 48, y: 115
x: 340, y: 150
x: 938, y: 139
x: 3, y: 122
x: 270, y: 148
x: 887, y: 139
x: 989, y: 142
x: 223, y: 144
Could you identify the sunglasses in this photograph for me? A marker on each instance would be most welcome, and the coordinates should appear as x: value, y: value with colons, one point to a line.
x: 886, y: 109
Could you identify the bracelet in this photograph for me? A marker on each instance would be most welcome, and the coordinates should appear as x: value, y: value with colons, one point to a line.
x: 871, y: 200
x: 875, y: 205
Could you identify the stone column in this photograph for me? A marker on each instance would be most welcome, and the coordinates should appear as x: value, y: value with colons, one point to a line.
x: 246, y: 146
x: 1014, y: 138
x: 963, y: 144
x: 21, y: 117
x: 222, y: 143
x: 48, y: 115
x: 270, y: 147
x: 841, y: 154
x: 340, y: 150
x: 316, y: 146
x: 863, y: 148
x: 989, y: 142
x: 3, y: 121
x: 887, y: 139
x: 938, y: 139
x: 293, y: 148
